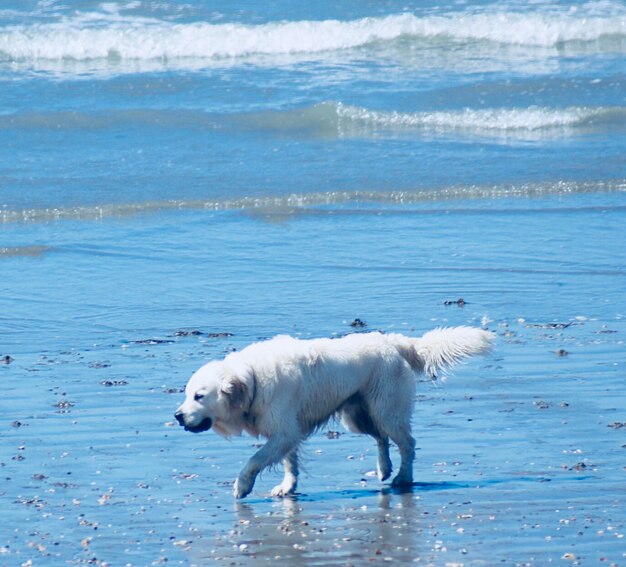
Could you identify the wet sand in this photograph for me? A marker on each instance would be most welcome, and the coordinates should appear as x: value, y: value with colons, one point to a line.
x: 521, y: 455
x: 520, y: 461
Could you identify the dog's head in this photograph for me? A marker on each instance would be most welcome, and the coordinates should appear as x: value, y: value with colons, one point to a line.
x: 218, y: 396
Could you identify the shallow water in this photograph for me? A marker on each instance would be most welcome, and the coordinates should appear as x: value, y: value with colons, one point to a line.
x: 178, y: 180
x: 520, y: 454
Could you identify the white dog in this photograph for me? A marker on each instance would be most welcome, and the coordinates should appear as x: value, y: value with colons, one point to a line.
x: 283, y: 389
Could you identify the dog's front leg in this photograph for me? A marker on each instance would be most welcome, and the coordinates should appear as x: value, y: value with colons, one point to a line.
x: 384, y: 461
x: 272, y: 452
x: 290, y: 481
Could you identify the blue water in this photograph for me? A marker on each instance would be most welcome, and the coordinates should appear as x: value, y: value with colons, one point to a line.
x: 132, y: 102
x: 243, y: 171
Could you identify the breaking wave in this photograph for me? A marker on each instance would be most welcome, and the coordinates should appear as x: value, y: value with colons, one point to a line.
x: 117, y: 37
x: 495, y: 120
x: 331, y: 119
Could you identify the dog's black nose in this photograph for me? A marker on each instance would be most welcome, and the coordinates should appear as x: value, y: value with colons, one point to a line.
x: 179, y: 417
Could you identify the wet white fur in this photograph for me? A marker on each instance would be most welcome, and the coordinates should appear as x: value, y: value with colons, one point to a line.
x: 284, y: 388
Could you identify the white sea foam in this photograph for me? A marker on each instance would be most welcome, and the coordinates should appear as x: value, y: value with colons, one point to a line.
x: 110, y: 35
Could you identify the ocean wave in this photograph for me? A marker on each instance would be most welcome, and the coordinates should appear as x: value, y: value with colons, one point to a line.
x: 338, y: 119
x: 335, y: 119
x: 498, y: 120
x: 117, y: 37
x: 286, y: 206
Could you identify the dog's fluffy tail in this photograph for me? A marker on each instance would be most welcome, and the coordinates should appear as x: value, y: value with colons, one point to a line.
x: 442, y: 348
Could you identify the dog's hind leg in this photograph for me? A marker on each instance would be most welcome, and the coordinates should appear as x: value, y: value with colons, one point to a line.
x: 406, y: 445
x: 356, y: 417
x: 390, y: 408
x: 290, y: 480
x: 271, y: 453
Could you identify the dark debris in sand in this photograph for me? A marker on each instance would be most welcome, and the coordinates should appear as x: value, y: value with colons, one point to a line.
x: 550, y: 325
x: 153, y: 342
x: 333, y: 434
x: 99, y: 364
x: 109, y: 383
x: 182, y: 333
x: 582, y: 466
x: 198, y: 333
x: 64, y: 405
x: 187, y: 333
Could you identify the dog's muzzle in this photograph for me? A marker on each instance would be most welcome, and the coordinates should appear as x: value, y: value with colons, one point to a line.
x: 204, y: 425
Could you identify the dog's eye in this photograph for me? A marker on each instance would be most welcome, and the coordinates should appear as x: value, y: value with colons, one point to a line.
x: 198, y: 397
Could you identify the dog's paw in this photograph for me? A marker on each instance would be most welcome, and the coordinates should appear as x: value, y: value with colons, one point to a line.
x: 384, y: 470
x: 283, y: 489
x: 242, y: 488
x: 402, y: 481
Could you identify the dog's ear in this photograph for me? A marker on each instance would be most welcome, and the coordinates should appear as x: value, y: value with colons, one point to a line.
x: 237, y: 392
